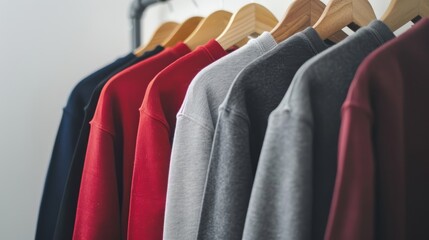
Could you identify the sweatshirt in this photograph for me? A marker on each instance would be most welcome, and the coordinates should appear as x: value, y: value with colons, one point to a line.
x: 158, y: 112
x: 240, y: 131
x: 102, y: 211
x: 193, y: 137
x: 297, y: 168
x: 65, y: 143
x: 67, y: 211
x: 381, y: 190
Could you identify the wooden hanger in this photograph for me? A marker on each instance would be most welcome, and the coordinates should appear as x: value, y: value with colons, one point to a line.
x: 300, y: 15
x: 160, y: 35
x: 250, y: 19
x: 209, y: 28
x: 400, y: 12
x: 183, y: 31
x: 342, y: 13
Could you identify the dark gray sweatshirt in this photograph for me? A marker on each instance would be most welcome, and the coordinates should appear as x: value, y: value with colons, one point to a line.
x: 293, y: 187
x: 240, y: 130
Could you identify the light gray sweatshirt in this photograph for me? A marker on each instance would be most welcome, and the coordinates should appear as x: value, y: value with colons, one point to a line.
x: 194, y: 134
x: 240, y: 131
x: 293, y: 187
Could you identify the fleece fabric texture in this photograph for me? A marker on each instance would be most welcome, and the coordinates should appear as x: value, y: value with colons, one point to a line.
x: 102, y: 211
x: 240, y: 131
x: 65, y: 143
x: 67, y: 212
x: 381, y: 189
x: 295, y: 179
x: 193, y: 137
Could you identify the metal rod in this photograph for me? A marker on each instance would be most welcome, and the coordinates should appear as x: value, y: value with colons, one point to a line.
x: 136, y: 13
x: 135, y: 33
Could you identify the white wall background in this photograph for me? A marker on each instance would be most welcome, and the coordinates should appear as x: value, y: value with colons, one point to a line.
x: 46, y: 47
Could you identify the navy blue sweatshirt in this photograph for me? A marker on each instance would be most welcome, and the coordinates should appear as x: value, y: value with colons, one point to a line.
x: 67, y: 212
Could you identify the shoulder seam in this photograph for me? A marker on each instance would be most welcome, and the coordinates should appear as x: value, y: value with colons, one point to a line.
x: 155, y: 118
x: 101, y: 127
x: 239, y: 114
x: 195, y: 121
x: 357, y: 107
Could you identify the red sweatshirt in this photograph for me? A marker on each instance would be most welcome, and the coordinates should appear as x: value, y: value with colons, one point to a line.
x: 382, y: 185
x: 102, y: 211
x: 162, y: 101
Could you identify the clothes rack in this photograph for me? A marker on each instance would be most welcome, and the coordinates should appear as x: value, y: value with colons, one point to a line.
x: 136, y: 12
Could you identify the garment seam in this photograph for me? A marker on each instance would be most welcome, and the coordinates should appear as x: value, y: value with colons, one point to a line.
x: 379, y: 38
x: 298, y: 117
x: 195, y: 121
x: 289, y: 97
x: 178, y: 53
x: 239, y: 114
x: 102, y: 128
x: 143, y: 111
x: 358, y: 107
x: 261, y: 47
x: 288, y: 108
x: 207, y: 52
x: 265, y: 46
x: 308, y: 43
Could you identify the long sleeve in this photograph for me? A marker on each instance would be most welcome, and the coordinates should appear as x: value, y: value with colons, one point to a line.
x: 57, y: 174
x: 158, y: 111
x: 229, y: 180
x: 352, y: 210
x: 194, y: 136
x: 281, y: 201
x: 188, y: 167
x: 98, y: 210
x: 150, y: 177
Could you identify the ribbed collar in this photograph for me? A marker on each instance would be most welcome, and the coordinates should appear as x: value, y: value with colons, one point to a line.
x: 314, y: 40
x: 380, y: 30
x: 265, y: 42
x: 214, y: 49
x: 180, y: 49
